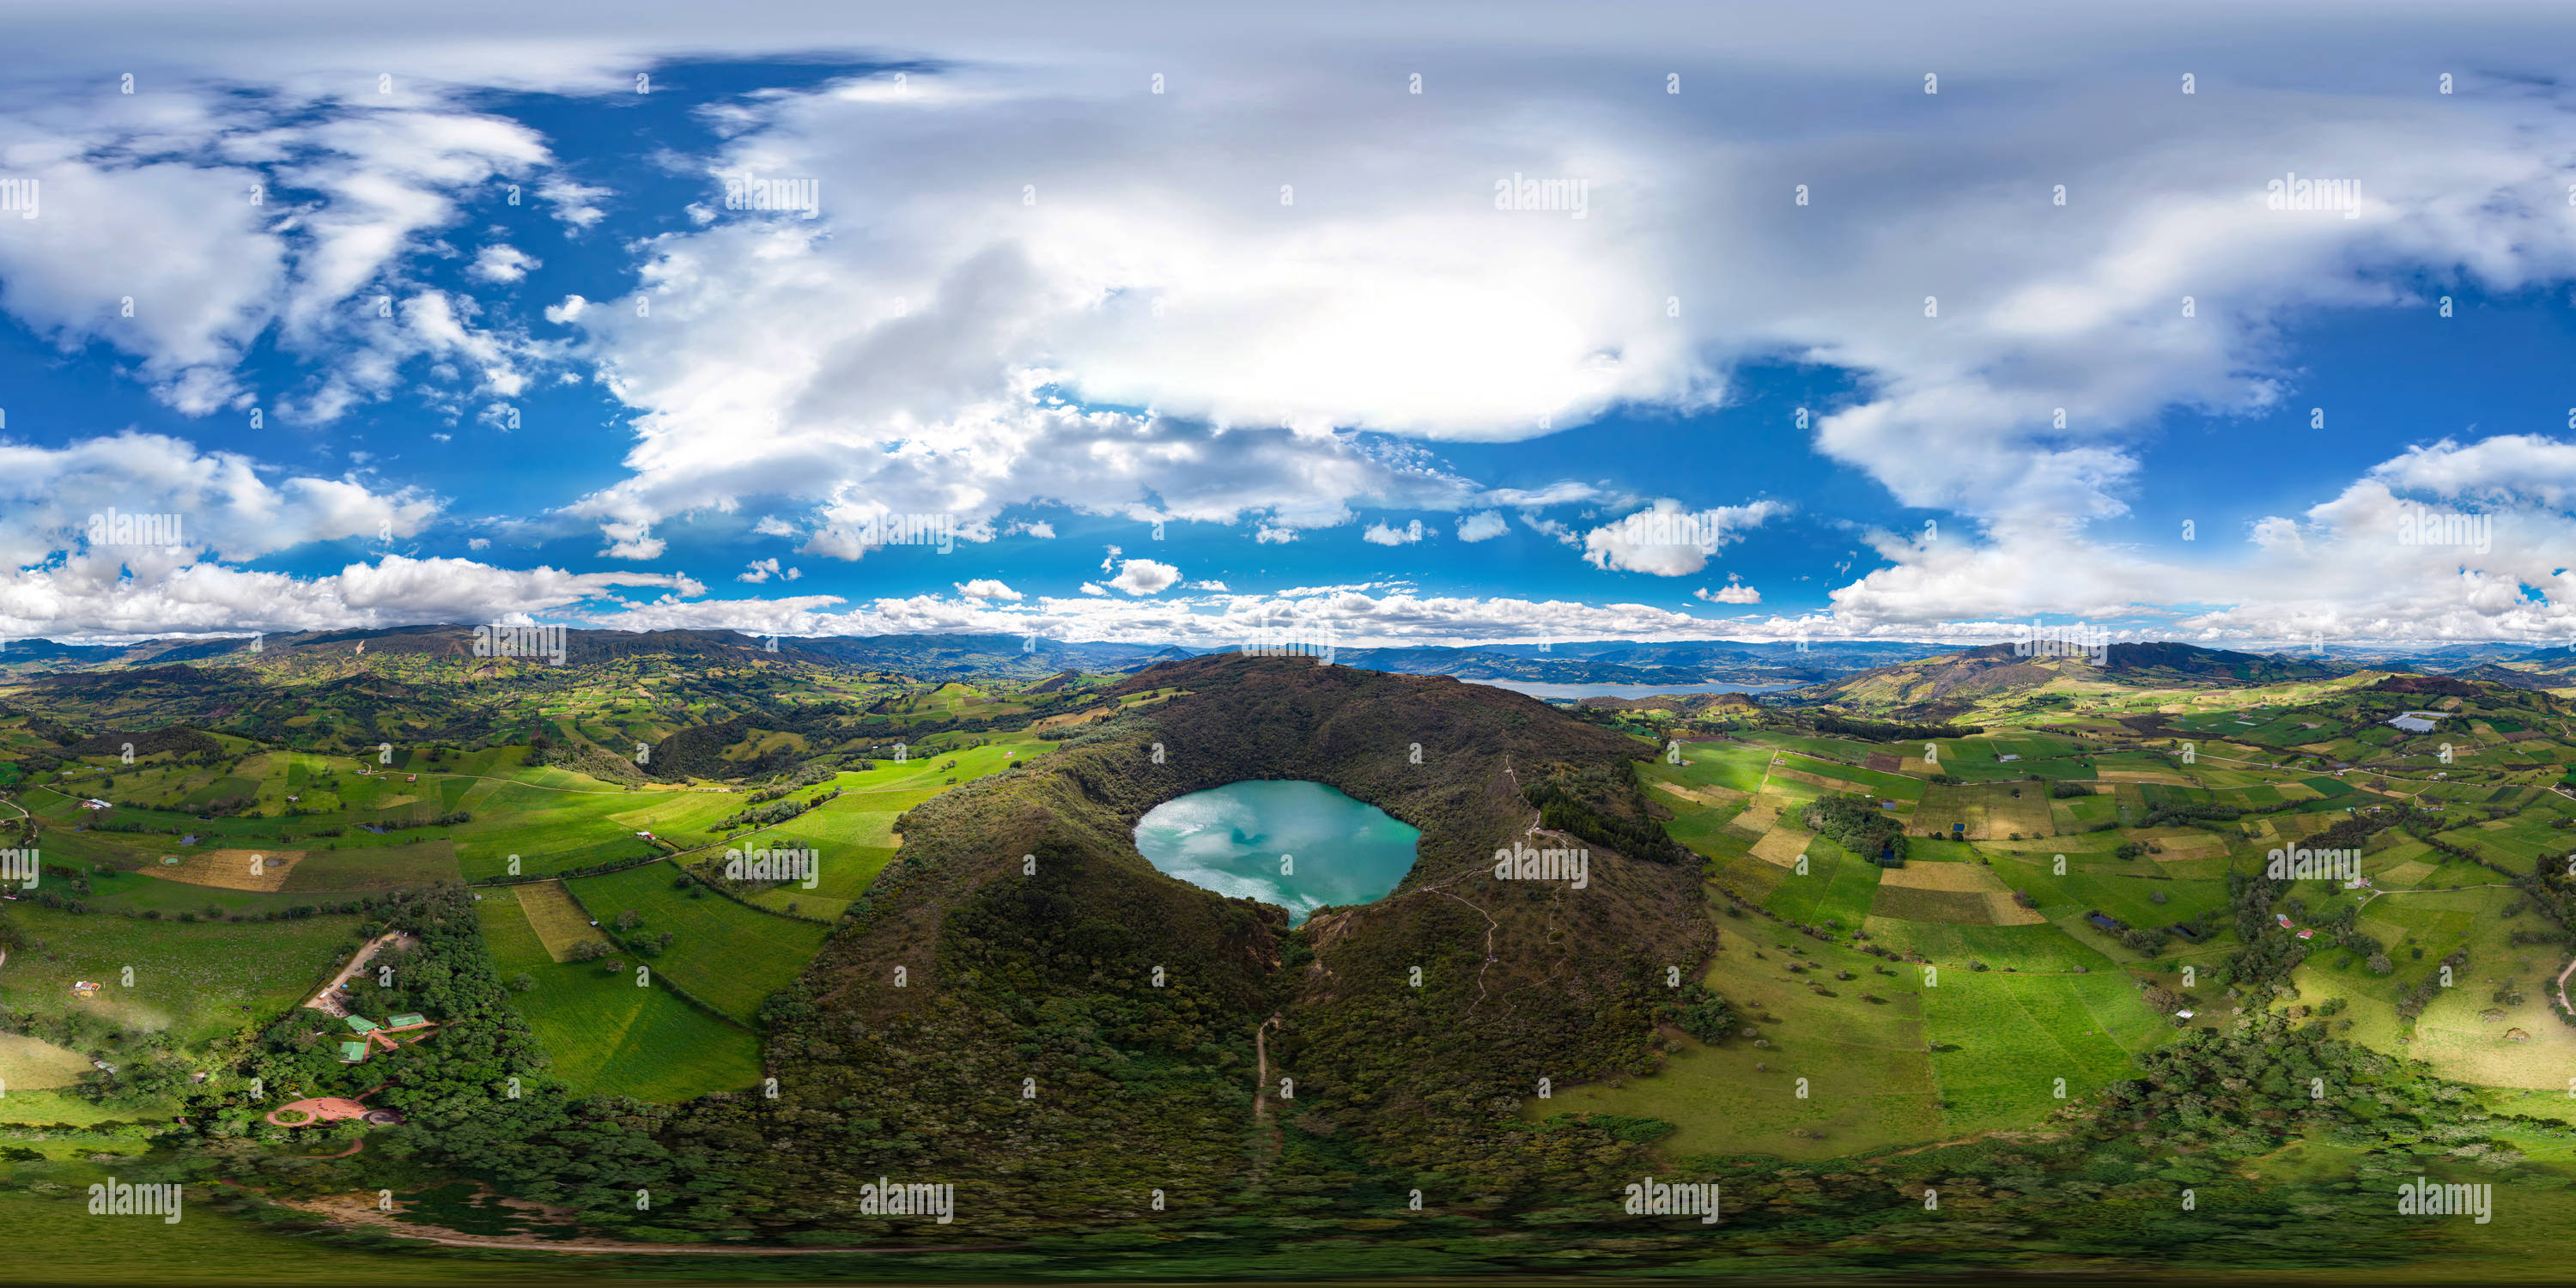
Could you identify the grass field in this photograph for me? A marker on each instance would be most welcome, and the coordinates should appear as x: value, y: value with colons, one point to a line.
x: 230, y: 869
x: 1868, y: 1078
x: 2002, y: 1042
x: 198, y: 979
x: 1716, y: 764
x: 28, y: 1065
x: 2043, y: 948
x: 605, y: 1035
x: 1837, y: 888
x: 557, y: 921
x: 374, y: 867
x: 726, y: 955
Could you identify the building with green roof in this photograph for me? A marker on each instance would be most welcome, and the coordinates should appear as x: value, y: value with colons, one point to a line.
x: 361, y: 1025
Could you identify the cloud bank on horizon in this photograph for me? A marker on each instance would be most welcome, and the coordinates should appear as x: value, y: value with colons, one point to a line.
x: 1448, y: 327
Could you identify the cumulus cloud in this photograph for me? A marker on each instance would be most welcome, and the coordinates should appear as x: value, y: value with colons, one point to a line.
x: 987, y: 588
x: 1144, y: 577
x: 2446, y: 542
x: 763, y: 569
x: 1734, y: 593
x: 1379, y: 534
x: 500, y: 263
x: 574, y: 203
x: 1668, y: 541
x: 2010, y: 377
x: 187, y: 228
x: 139, y: 593
x: 2009, y: 354
x: 217, y: 501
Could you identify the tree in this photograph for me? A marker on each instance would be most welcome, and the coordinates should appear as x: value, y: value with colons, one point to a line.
x: 629, y: 919
x: 524, y: 982
x: 2380, y: 965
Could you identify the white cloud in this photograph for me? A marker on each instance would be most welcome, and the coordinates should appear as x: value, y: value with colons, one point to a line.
x: 1217, y: 586
x: 1484, y: 525
x: 500, y: 263
x: 987, y: 588
x: 763, y: 569
x: 573, y: 203
x: 1145, y: 577
x: 186, y: 229
x: 1379, y: 534
x: 1668, y: 541
x: 1392, y: 298
x: 1730, y: 594
x: 1042, y: 530
x: 129, y: 594
x: 220, y: 499
x: 2345, y: 569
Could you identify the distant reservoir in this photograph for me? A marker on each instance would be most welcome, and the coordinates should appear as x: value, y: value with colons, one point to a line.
x: 1545, y: 691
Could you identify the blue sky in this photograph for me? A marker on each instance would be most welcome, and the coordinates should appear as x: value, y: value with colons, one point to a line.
x: 491, y: 345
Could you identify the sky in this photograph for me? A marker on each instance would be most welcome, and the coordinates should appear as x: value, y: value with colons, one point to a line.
x: 1426, y: 324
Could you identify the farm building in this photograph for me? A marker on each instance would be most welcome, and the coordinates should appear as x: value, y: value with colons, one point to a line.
x: 371, y: 1033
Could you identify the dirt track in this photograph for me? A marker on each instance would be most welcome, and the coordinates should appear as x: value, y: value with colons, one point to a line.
x: 328, y: 1001
x: 360, y: 1210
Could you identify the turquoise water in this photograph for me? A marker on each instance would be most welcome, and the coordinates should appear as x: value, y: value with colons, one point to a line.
x: 1230, y: 839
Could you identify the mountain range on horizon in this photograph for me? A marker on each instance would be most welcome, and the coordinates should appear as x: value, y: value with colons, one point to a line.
x: 1580, y: 662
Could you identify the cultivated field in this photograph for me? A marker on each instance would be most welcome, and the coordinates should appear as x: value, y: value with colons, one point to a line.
x: 605, y: 1035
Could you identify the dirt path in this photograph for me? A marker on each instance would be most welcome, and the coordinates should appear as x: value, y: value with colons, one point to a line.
x: 2562, y: 985
x: 328, y: 1001
x: 1261, y: 1094
x: 1261, y: 1068
x: 360, y: 1209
